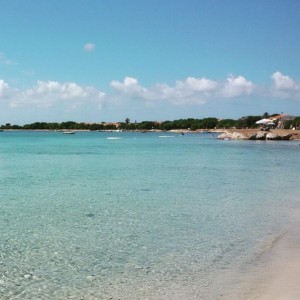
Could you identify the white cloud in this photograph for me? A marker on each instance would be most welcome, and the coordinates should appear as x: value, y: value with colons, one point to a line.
x: 284, y: 86
x: 3, y: 87
x: 123, y: 86
x: 89, y: 47
x: 130, y: 94
x: 189, y: 91
x: 196, y: 84
x: 282, y: 82
x: 236, y: 86
x: 130, y: 87
x: 50, y: 93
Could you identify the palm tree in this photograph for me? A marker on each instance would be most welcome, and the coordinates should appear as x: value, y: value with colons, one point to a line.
x: 127, y: 121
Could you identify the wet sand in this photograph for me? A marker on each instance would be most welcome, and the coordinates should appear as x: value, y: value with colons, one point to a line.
x: 274, y: 275
x: 282, y: 271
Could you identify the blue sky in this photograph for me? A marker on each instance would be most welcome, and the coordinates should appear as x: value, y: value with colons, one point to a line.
x: 93, y: 61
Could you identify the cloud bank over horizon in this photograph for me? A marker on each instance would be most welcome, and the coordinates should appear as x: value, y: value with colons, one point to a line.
x: 188, y: 91
x: 191, y: 91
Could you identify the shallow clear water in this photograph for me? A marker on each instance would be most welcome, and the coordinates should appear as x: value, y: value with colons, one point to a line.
x: 85, y: 216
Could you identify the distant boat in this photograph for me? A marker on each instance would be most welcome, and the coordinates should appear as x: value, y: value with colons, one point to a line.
x: 68, y: 132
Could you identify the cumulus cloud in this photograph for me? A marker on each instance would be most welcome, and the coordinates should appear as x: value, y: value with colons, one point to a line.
x: 50, y: 93
x: 236, y: 86
x: 282, y: 82
x: 183, y: 91
x: 3, y: 87
x: 130, y: 86
x: 197, y: 84
x: 284, y: 86
x: 125, y: 85
x: 188, y: 91
x: 89, y: 47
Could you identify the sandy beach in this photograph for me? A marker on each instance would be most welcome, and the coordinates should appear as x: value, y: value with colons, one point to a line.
x: 275, y: 274
x: 282, y: 269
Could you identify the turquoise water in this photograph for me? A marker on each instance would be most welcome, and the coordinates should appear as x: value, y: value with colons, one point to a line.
x: 137, y: 216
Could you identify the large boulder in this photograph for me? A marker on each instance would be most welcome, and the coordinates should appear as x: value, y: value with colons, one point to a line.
x: 224, y: 136
x: 252, y: 137
x: 275, y: 137
x: 272, y: 136
x: 232, y: 136
x: 286, y: 137
x: 261, y: 135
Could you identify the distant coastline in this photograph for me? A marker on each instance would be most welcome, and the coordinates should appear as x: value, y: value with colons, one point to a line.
x: 264, y: 127
x: 278, y: 121
x: 226, y: 134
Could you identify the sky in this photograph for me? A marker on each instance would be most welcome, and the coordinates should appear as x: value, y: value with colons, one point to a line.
x: 104, y: 60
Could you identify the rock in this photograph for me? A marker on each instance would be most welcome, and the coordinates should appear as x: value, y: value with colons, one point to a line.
x: 239, y: 136
x: 286, y: 137
x: 252, y: 137
x: 90, y: 215
x: 91, y: 277
x: 272, y: 136
x: 261, y: 135
x: 223, y: 136
x: 276, y: 137
x: 232, y: 136
x: 28, y: 276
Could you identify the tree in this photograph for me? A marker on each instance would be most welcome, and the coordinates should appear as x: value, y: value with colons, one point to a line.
x: 127, y: 121
x: 209, y: 123
x: 146, y: 125
x: 226, y: 123
x: 266, y: 115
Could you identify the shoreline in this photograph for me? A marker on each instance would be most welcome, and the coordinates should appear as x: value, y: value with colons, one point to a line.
x: 249, y: 134
x: 274, y: 274
x: 295, y: 134
x: 282, y: 268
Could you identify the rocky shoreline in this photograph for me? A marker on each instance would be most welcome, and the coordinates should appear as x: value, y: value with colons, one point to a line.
x: 256, y: 134
x: 224, y: 134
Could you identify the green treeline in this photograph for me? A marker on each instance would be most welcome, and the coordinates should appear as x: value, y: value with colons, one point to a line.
x: 188, y: 124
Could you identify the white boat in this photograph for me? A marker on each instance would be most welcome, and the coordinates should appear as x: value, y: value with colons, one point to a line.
x: 68, y: 132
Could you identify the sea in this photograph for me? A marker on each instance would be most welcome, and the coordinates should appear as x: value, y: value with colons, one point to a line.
x: 123, y: 215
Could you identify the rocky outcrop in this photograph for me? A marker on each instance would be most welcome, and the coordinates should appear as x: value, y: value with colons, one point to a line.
x: 232, y: 136
x: 276, y: 137
x: 260, y: 135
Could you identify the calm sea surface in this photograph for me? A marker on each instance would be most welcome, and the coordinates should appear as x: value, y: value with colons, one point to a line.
x: 137, y: 216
